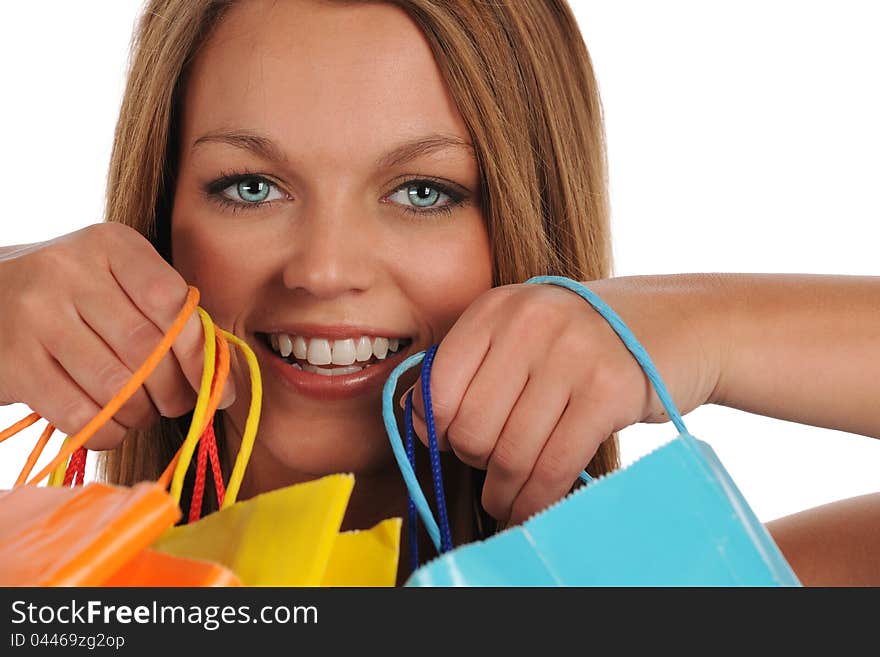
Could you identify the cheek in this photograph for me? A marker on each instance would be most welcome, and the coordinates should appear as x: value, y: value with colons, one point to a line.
x: 447, y: 272
x: 215, y: 261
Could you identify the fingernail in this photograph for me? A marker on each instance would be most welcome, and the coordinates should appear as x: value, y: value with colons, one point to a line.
x: 402, y: 402
x: 228, y: 398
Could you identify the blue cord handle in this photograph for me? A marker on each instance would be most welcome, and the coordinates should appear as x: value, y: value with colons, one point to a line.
x: 412, y: 521
x: 629, y: 340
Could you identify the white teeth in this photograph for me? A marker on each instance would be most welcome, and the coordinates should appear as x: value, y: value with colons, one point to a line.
x: 285, y: 346
x: 319, y: 352
x: 343, y: 352
x: 364, y: 349
x: 296, y: 365
x: 380, y: 347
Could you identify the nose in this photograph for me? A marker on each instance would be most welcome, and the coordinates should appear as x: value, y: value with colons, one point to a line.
x: 331, y: 253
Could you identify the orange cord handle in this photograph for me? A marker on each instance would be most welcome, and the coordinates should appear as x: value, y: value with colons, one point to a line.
x: 35, y: 454
x: 19, y: 426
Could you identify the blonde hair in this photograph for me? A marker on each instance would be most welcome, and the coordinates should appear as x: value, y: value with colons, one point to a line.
x: 522, y: 79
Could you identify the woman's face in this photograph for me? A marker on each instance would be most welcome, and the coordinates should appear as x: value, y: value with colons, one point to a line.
x: 327, y: 210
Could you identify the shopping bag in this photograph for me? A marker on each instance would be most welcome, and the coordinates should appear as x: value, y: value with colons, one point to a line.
x: 290, y: 537
x: 77, y: 536
x: 673, y: 518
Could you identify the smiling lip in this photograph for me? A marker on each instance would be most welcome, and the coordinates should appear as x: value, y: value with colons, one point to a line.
x: 329, y: 388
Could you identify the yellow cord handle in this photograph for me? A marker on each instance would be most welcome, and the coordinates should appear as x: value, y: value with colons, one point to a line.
x: 57, y: 477
x: 251, y: 424
x: 197, y: 426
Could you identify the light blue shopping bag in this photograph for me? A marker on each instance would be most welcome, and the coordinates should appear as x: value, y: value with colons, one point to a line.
x: 673, y: 518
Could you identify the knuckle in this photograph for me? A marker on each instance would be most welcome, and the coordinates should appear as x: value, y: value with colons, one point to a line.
x: 52, y: 265
x: 468, y: 443
x: 493, y: 298
x: 441, y: 409
x: 109, y: 232
x: 507, y: 459
x: 74, y: 414
x: 606, y: 382
x: 31, y: 302
x: 112, y: 378
x: 139, y: 333
x: 164, y: 293
x: 576, y: 344
x: 551, y: 469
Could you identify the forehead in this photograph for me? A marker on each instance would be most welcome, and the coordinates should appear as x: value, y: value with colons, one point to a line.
x: 319, y: 76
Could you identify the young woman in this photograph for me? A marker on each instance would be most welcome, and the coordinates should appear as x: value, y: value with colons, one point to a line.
x: 347, y: 183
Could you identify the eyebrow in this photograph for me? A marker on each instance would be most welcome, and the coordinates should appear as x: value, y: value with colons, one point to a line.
x: 402, y: 153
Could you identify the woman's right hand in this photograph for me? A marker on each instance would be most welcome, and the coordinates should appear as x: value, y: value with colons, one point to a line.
x: 80, y: 314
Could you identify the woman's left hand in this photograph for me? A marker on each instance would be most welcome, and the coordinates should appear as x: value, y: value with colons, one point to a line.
x: 531, y: 380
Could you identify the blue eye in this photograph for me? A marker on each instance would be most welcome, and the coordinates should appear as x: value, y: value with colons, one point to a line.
x: 253, y: 190
x: 422, y: 197
x: 243, y: 191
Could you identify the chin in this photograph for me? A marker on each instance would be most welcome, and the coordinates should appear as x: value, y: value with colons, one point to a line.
x: 316, y: 457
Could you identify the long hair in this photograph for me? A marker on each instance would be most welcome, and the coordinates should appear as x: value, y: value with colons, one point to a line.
x: 521, y: 77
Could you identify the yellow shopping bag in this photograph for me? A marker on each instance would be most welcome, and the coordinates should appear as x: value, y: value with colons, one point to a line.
x: 290, y: 537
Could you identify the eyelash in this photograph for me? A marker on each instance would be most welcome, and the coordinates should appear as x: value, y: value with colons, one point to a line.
x: 214, y: 191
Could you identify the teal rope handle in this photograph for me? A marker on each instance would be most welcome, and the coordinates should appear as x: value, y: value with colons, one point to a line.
x: 409, y: 475
x: 622, y: 331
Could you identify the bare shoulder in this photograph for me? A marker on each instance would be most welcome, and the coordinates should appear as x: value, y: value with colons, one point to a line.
x: 836, y: 544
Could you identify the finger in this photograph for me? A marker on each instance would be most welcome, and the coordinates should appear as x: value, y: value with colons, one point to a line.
x: 487, y: 403
x: 133, y: 337
x: 458, y: 357
x: 95, y: 369
x: 566, y: 453
x: 159, y: 292
x: 528, y: 427
x: 57, y: 398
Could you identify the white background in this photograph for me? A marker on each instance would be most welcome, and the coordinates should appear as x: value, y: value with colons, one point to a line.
x: 743, y: 137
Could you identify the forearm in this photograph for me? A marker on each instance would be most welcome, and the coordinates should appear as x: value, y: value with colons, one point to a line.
x: 804, y: 348
x: 835, y: 544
